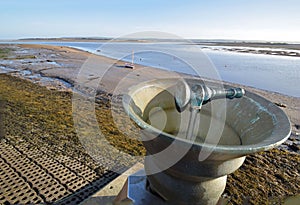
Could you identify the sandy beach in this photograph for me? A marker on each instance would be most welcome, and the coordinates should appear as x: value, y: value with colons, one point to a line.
x: 39, y: 135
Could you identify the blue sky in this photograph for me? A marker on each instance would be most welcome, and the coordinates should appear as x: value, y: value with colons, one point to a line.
x: 209, y: 19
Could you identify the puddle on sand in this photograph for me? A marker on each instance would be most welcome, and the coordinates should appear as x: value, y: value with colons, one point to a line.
x: 37, y: 78
x: 6, y: 69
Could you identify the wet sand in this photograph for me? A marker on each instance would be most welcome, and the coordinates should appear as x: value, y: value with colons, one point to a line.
x: 38, y: 120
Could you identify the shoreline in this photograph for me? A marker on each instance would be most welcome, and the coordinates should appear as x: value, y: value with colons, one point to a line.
x: 260, y: 48
x: 279, y: 183
x: 110, y: 59
x: 71, y: 61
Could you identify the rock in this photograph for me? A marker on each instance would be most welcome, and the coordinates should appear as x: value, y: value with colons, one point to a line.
x: 280, y: 105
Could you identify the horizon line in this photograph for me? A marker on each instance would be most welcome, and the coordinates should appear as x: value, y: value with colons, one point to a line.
x: 151, y: 38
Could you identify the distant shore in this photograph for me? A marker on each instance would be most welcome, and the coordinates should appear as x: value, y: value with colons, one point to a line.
x: 109, y: 77
x: 255, y: 47
x: 291, y: 50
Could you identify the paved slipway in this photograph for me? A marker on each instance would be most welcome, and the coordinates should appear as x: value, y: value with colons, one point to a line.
x: 33, y: 171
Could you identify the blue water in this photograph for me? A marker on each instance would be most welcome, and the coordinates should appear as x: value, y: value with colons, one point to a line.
x: 274, y: 73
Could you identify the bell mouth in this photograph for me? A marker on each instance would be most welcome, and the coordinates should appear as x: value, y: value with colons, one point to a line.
x: 250, y: 124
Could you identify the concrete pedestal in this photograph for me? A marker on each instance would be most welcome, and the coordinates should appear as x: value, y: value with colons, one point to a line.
x: 129, y: 189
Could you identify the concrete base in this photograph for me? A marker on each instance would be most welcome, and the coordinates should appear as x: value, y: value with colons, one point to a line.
x: 106, y: 195
x: 135, y: 192
x: 129, y: 189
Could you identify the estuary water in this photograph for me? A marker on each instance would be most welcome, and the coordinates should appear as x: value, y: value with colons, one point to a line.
x: 269, y: 72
